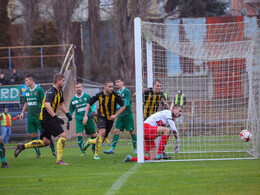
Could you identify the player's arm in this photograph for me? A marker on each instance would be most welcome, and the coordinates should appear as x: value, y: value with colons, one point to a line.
x: 90, y: 103
x: 165, y: 104
x: 122, y: 108
x: 174, y: 130
x: 25, y: 106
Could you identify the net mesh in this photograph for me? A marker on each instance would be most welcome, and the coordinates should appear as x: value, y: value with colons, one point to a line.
x: 213, y: 65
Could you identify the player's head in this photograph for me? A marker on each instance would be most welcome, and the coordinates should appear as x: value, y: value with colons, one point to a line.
x: 109, y: 87
x: 78, y: 88
x: 157, y: 86
x: 119, y: 83
x: 59, y: 80
x: 179, y: 92
x: 29, y: 80
x: 177, y: 111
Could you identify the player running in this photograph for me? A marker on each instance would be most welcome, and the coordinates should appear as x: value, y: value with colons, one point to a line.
x: 51, y: 124
x: 108, y: 99
x: 126, y: 119
x: 78, y: 104
x: 32, y: 103
x: 159, y: 124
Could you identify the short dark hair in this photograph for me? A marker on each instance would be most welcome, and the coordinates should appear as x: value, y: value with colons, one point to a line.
x: 106, y: 82
x: 177, y: 106
x: 30, y: 76
x: 77, y: 83
x: 58, y: 77
x: 120, y: 79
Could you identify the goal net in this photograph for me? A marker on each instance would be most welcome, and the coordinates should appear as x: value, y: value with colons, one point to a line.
x: 213, y: 66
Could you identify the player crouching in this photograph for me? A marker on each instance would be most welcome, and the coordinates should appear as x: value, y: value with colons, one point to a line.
x: 159, y: 124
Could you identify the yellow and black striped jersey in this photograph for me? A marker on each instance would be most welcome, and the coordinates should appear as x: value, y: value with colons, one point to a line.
x: 54, y: 97
x: 151, y: 102
x: 107, y: 104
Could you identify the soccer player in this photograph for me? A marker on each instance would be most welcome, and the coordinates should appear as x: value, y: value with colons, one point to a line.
x: 78, y: 104
x: 152, y: 98
x: 126, y: 119
x: 32, y: 103
x: 2, y: 154
x: 108, y: 99
x: 159, y: 124
x: 51, y: 124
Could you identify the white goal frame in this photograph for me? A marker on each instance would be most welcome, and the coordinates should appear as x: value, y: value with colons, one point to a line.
x: 139, y: 32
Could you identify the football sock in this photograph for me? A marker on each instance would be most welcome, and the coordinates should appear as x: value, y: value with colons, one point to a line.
x: 134, y: 140
x: 163, y: 143
x: 37, y: 150
x: 52, y: 146
x: 115, y: 139
x: 34, y: 144
x: 145, y: 158
x: 92, y: 141
x: 93, y: 145
x: 60, y: 148
x: 2, y: 152
x: 107, y: 141
x: 80, y: 143
x: 98, y: 144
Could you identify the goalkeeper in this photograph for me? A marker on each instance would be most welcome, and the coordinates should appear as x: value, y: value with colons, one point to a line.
x: 78, y: 104
x: 159, y: 124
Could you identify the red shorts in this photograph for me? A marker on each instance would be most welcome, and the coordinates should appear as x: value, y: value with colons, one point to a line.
x: 150, y: 133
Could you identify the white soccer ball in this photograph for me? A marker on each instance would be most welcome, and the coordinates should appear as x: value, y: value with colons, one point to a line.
x: 245, y: 135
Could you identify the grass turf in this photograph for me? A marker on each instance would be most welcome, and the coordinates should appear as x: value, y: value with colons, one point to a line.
x: 87, y: 176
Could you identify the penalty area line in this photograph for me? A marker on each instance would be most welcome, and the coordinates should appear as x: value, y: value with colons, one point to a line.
x: 122, y: 179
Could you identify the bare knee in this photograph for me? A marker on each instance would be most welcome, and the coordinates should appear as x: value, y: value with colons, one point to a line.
x: 79, y: 134
x: 167, y: 132
x: 116, y: 131
x: 63, y: 135
x: 46, y: 141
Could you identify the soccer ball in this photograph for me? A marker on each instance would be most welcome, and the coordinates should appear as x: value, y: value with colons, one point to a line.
x: 245, y: 135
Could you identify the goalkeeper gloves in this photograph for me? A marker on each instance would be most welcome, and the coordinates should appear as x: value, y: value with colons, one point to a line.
x: 59, y: 120
x: 69, y: 116
x: 68, y: 125
x: 177, y: 147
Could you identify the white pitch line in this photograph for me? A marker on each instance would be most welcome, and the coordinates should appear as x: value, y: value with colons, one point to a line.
x: 121, y: 180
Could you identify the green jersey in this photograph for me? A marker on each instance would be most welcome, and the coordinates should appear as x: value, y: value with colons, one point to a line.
x: 126, y: 97
x: 34, y: 99
x: 79, y: 104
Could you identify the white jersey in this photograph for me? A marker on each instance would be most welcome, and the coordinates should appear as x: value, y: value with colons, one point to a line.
x: 162, y: 118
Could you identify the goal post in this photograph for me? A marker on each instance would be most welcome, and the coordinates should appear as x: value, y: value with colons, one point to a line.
x: 212, y: 65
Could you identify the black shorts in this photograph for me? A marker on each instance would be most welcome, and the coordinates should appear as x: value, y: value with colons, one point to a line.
x: 103, y: 123
x: 50, y: 128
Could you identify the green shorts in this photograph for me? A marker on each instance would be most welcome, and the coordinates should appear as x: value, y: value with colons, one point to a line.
x: 33, y: 125
x: 89, y: 127
x: 125, y: 122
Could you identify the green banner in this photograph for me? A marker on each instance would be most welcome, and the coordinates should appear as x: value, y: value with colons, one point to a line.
x: 10, y: 94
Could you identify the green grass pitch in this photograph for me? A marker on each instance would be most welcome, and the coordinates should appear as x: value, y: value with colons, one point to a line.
x: 110, y: 175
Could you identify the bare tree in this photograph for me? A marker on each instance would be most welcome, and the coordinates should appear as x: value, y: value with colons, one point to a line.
x: 94, y: 28
x: 123, y: 20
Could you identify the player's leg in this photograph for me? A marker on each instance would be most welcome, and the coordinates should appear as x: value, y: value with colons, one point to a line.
x: 2, y: 154
x: 164, y: 132
x: 115, y: 140
x: 60, y: 148
x: 79, y: 133
x: 129, y: 126
x: 39, y: 127
x: 44, y: 141
x: 33, y: 130
x: 90, y: 130
x: 99, y: 141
